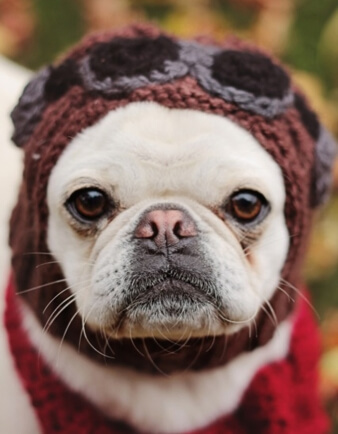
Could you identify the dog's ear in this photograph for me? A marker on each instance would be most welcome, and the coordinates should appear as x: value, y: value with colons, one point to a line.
x: 48, y: 85
x: 325, y: 151
x: 27, y: 112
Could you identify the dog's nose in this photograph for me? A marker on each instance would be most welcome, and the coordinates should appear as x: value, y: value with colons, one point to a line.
x: 166, y: 227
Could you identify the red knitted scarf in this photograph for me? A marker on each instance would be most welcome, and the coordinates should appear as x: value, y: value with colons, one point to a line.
x: 281, y: 399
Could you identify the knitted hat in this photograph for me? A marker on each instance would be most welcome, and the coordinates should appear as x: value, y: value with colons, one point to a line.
x: 111, y: 70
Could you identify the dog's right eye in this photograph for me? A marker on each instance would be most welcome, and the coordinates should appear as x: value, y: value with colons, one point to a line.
x: 88, y: 204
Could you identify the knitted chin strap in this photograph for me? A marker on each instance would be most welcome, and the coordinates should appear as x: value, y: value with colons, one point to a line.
x: 110, y: 70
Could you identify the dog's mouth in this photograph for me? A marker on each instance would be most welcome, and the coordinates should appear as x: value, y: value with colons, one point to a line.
x: 167, y: 326
x: 168, y: 307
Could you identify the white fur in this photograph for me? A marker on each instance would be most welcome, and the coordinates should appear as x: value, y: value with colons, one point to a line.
x: 146, y: 154
x: 174, y: 404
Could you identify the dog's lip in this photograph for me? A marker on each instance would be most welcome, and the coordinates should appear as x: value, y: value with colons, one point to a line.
x: 164, y: 291
x: 169, y: 289
x: 170, y: 277
x: 169, y: 286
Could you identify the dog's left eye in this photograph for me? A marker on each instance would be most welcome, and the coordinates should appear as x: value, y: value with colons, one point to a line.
x: 88, y: 204
x: 247, y: 206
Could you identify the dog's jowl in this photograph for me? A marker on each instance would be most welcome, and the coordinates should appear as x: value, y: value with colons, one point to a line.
x: 158, y: 240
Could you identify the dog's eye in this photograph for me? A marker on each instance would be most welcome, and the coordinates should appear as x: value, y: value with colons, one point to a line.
x: 88, y: 204
x: 247, y: 206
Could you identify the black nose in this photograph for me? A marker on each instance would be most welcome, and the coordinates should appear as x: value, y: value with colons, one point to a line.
x: 165, y: 227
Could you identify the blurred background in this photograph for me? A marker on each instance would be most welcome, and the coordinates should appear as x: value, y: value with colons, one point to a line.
x: 303, y: 33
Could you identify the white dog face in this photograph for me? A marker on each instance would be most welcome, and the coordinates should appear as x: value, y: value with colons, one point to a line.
x: 167, y: 223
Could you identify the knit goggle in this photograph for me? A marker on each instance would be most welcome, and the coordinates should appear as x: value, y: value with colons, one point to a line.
x: 113, y: 69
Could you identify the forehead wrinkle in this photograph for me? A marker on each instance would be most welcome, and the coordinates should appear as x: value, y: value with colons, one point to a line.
x: 167, y: 157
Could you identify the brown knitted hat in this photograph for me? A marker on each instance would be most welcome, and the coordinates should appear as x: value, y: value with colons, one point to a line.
x: 110, y: 70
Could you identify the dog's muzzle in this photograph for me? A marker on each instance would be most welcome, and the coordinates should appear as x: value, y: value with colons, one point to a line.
x: 172, y: 282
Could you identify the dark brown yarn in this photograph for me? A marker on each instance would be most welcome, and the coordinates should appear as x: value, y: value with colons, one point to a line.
x: 61, y: 79
x: 127, y: 57
x: 132, y: 31
x: 252, y: 72
x: 284, y: 137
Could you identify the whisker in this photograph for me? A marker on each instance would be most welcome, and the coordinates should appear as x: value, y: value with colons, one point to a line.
x: 67, y: 302
x: 106, y: 338
x: 93, y: 346
x: 286, y: 293
x: 174, y: 343
x: 250, y: 330
x: 47, y: 263
x: 225, y: 344
x: 273, y: 313
x: 38, y: 253
x: 212, y: 343
x: 151, y: 359
x: 79, y: 343
x: 54, y: 298
x: 134, y: 345
x: 164, y: 350
x: 210, y: 334
x: 41, y: 286
x: 300, y: 293
x: 225, y: 319
x: 107, y: 344
x: 64, y: 335
x: 64, y: 290
x: 256, y: 330
x: 84, y: 320
x: 57, y: 262
x: 196, y: 356
x: 186, y: 340
x: 271, y: 317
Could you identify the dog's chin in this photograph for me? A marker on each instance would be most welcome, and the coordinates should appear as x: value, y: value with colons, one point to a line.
x: 170, y: 310
x: 172, y: 327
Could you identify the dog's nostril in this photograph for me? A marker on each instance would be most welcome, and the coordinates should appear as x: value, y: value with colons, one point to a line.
x: 146, y: 229
x: 177, y: 229
x: 154, y: 229
x: 185, y: 228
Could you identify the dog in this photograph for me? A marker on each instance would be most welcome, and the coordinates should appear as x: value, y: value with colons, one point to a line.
x: 158, y: 238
